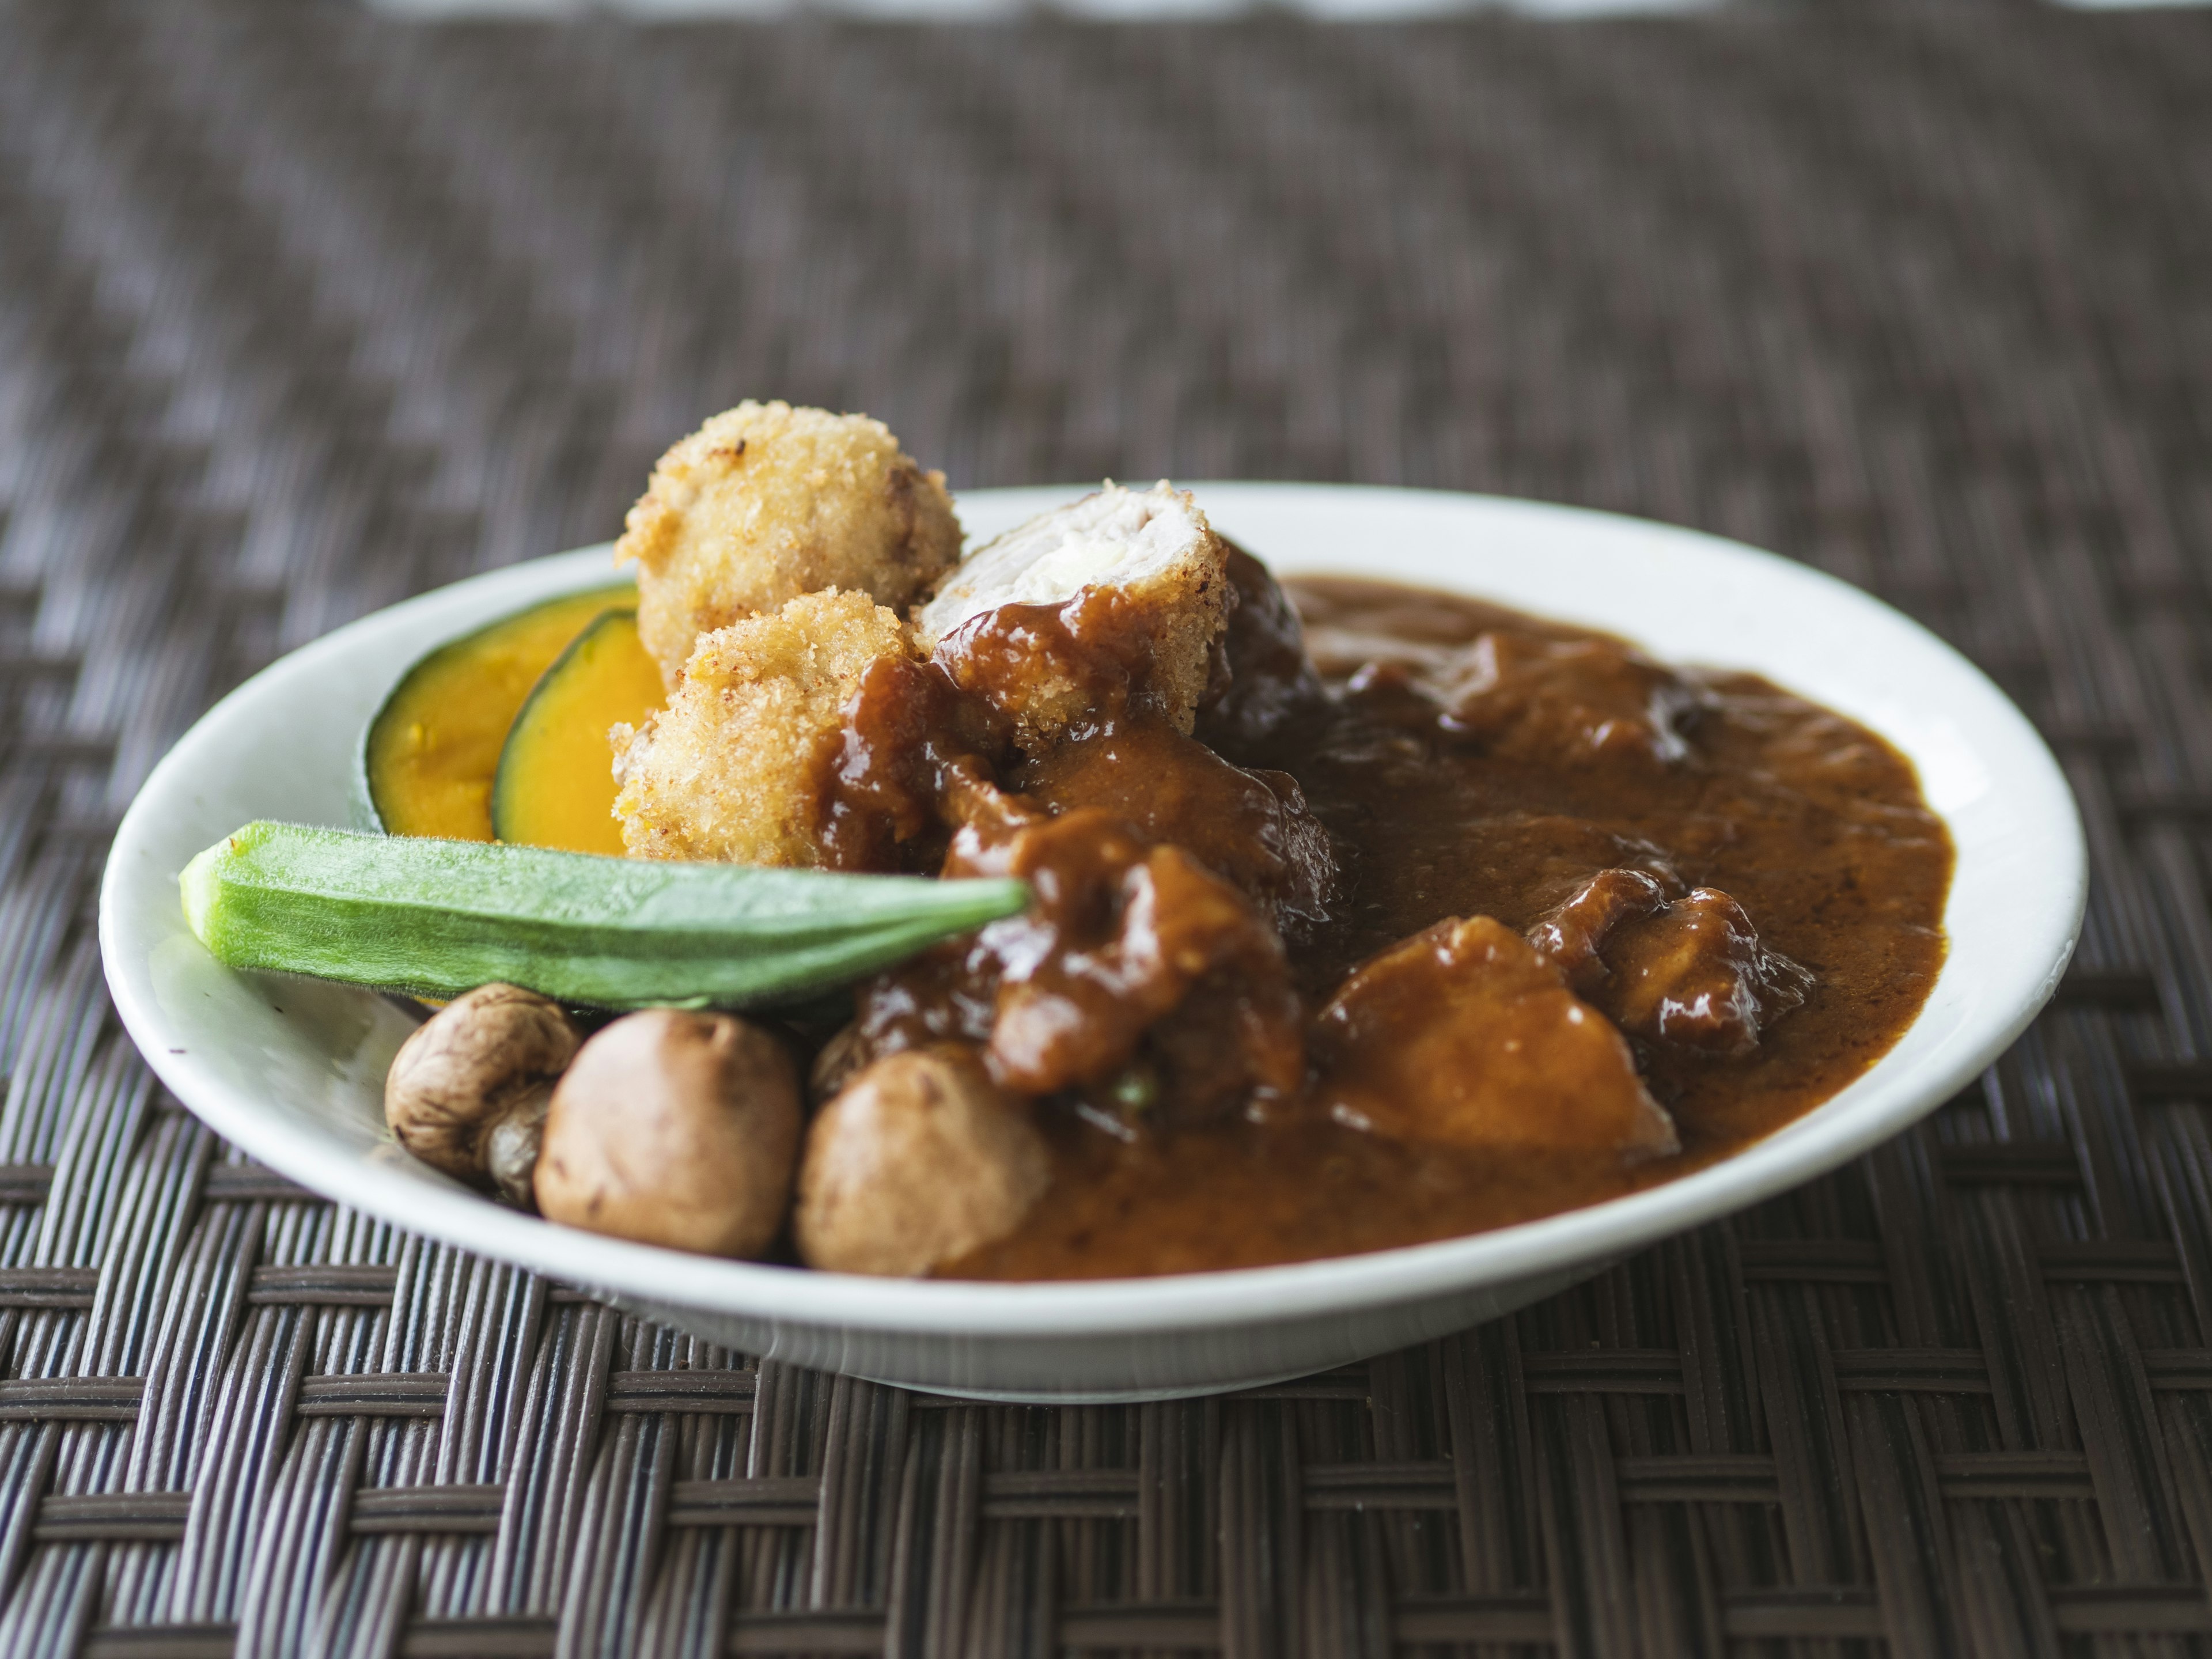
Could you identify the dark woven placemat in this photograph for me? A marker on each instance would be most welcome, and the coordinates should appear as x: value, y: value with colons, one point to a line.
x: 301, y: 311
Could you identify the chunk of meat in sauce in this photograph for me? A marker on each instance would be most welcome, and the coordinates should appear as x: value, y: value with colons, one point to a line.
x: 1464, y: 1036
x: 1689, y: 971
x: 1527, y: 696
x: 1262, y: 677
x: 1134, y: 959
x: 1140, y: 973
x: 916, y: 759
x: 1250, y: 827
x: 1574, y: 934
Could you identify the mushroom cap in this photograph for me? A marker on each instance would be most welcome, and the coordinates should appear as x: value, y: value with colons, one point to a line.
x: 674, y: 1129
x: 920, y: 1159
x: 481, y: 1059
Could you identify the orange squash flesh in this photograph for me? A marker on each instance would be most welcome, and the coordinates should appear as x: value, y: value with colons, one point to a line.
x: 433, y: 750
x: 555, y: 785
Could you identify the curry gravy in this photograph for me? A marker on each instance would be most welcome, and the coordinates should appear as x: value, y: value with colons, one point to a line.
x: 1468, y: 761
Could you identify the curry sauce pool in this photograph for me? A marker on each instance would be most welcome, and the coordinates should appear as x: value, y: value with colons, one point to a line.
x: 1467, y: 760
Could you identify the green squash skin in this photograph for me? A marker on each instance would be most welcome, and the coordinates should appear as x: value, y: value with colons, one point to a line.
x: 362, y: 812
x: 361, y: 803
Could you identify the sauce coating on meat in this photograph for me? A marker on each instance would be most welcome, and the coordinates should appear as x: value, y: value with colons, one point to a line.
x: 1464, y: 1037
x: 1747, y: 886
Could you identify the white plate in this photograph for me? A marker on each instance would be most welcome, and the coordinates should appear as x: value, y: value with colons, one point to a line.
x: 292, y: 1070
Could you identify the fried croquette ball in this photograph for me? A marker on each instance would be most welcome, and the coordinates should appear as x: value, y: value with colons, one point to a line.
x: 1139, y: 583
x: 734, y: 769
x: 765, y: 503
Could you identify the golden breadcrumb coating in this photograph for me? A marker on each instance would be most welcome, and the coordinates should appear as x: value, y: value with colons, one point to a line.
x: 765, y: 503
x: 734, y: 769
x: 1138, y: 579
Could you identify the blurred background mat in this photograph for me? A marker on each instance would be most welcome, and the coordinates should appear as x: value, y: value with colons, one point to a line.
x: 303, y: 309
x: 666, y: 11
x: 970, y: 10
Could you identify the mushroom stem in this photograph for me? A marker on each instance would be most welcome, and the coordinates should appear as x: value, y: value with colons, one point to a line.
x: 467, y: 1091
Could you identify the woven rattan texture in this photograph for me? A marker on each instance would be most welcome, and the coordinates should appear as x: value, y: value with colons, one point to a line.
x: 301, y: 312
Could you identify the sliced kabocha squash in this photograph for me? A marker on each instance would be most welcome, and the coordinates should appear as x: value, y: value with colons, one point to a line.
x: 557, y: 786
x: 430, y: 754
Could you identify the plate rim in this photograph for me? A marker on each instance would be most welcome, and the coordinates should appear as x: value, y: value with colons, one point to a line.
x: 1244, y: 1297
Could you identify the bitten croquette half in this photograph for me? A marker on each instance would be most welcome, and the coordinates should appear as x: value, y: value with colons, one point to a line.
x: 734, y: 769
x: 766, y: 503
x: 1144, y: 565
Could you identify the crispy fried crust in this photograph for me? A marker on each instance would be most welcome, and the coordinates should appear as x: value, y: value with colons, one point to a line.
x: 1188, y: 607
x: 734, y: 769
x: 765, y: 503
x: 1139, y: 583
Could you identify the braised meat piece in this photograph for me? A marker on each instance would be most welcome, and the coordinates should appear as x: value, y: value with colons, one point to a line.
x: 1573, y: 934
x: 1694, y: 973
x: 1262, y: 679
x: 916, y: 758
x: 1125, y: 939
x: 1527, y: 696
x: 1689, y: 971
x: 1251, y: 827
x: 1464, y: 1036
x: 1579, y: 701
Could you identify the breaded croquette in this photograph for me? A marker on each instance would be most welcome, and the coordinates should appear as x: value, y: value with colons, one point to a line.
x: 765, y: 503
x: 1117, y: 598
x: 733, y: 770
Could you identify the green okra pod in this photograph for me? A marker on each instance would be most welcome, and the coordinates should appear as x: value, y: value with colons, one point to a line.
x: 436, y: 918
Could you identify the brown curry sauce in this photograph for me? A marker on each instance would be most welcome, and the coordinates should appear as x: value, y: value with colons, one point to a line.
x: 1749, y: 886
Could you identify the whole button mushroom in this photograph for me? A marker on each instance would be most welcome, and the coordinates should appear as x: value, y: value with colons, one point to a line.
x: 674, y: 1129
x: 468, y: 1092
x: 918, y: 1159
